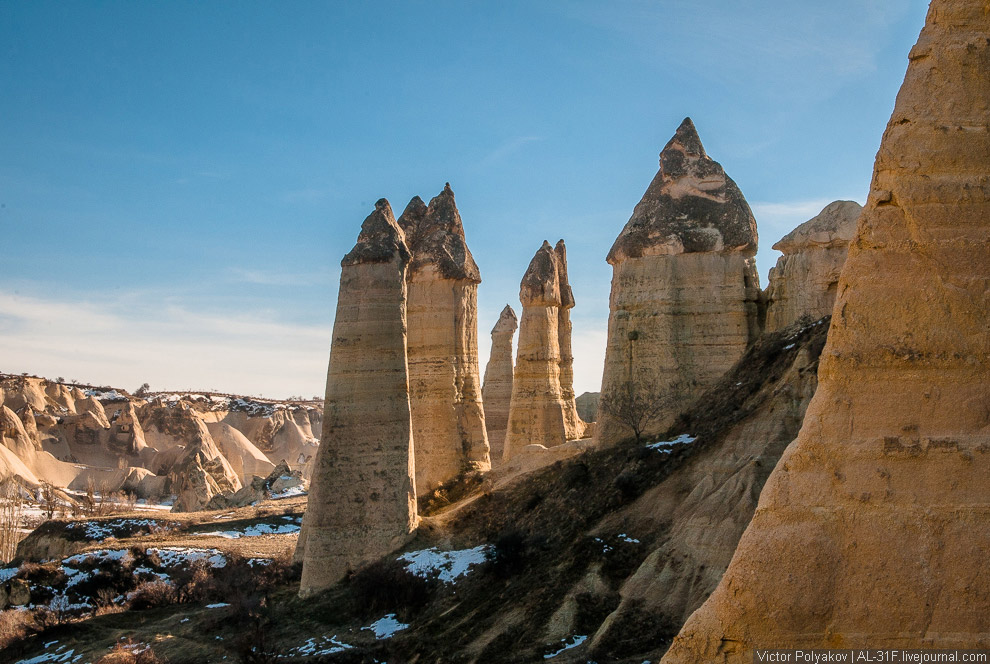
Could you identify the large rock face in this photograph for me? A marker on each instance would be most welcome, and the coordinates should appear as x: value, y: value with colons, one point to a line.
x: 872, y: 529
x: 573, y: 425
x: 805, y: 279
x: 442, y: 315
x: 497, y: 389
x: 536, y: 411
x: 362, y: 501
x: 685, y: 290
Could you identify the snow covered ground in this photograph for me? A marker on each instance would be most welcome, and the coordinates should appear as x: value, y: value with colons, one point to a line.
x: 665, y: 445
x: 447, y: 566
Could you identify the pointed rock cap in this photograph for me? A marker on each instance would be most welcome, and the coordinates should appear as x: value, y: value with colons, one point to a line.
x: 507, y: 321
x: 566, y: 294
x: 691, y: 206
x: 412, y: 218
x: 380, y: 240
x: 436, y: 238
x: 540, y: 285
x: 834, y: 226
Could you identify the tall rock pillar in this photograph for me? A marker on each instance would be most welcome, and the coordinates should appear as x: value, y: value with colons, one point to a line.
x: 444, y: 383
x: 536, y: 412
x: 362, y: 502
x: 497, y: 389
x: 805, y: 279
x: 573, y: 425
x: 871, y: 531
x: 685, y: 291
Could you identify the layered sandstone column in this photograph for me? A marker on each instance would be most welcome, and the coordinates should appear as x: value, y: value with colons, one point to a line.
x: 872, y: 529
x: 573, y: 425
x: 536, y: 411
x: 805, y: 279
x: 497, y: 389
x: 362, y: 501
x: 685, y: 291
x: 448, y: 419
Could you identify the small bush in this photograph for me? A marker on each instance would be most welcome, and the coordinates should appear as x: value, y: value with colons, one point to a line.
x: 152, y: 594
x: 129, y: 652
x: 14, y: 626
x: 508, y: 554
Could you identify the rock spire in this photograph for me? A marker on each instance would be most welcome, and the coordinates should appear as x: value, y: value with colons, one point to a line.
x: 536, y: 411
x: 362, y: 501
x: 871, y: 530
x: 448, y: 419
x: 805, y: 279
x: 685, y: 290
x: 497, y: 389
x: 573, y: 425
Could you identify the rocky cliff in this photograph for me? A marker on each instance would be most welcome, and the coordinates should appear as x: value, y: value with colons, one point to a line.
x: 363, y: 498
x: 442, y: 344
x: 497, y: 388
x: 573, y: 425
x: 871, y: 530
x: 805, y: 279
x: 685, y: 291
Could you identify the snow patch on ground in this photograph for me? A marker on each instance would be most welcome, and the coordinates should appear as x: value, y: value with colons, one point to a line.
x: 258, y: 529
x: 385, y: 627
x: 218, y: 605
x: 288, y: 493
x: 324, y: 645
x: 172, y: 556
x: 664, y: 446
x: 59, y: 655
x: 447, y: 566
x: 100, y: 530
x: 8, y: 574
x: 574, y: 643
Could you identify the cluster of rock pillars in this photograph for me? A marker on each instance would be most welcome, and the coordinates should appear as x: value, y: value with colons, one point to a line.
x: 885, y: 490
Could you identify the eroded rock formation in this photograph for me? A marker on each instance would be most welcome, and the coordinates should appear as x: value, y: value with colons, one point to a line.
x: 362, y: 503
x: 536, y: 410
x: 685, y: 290
x: 871, y: 530
x: 497, y: 388
x: 573, y: 425
x: 442, y: 316
x: 804, y: 281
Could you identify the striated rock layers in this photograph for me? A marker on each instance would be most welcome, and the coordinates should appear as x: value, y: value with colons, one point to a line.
x: 448, y: 419
x: 362, y: 502
x: 497, y: 389
x: 536, y: 410
x: 685, y: 291
x: 573, y: 426
x: 871, y: 530
x: 805, y: 279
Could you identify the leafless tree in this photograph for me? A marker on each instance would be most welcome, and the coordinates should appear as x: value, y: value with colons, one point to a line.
x: 11, y: 511
x: 638, y: 407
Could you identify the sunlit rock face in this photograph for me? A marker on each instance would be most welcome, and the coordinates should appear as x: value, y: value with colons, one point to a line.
x: 872, y: 529
x: 442, y: 315
x: 573, y: 425
x: 362, y: 501
x: 806, y: 277
x: 497, y: 388
x: 685, y: 290
x: 536, y: 412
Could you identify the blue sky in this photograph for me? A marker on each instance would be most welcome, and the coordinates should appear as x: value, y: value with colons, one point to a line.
x: 179, y: 180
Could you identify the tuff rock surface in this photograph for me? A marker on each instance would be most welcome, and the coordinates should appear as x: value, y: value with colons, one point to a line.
x: 805, y: 279
x: 685, y: 290
x: 573, y: 425
x: 362, y: 502
x: 497, y: 388
x: 871, y: 530
x: 442, y: 344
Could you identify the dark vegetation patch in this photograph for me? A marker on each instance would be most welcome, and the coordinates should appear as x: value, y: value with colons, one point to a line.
x: 450, y: 492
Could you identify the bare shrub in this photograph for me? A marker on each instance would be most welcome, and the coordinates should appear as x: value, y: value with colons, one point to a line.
x: 152, y: 594
x: 130, y: 652
x: 14, y: 626
x: 11, y: 513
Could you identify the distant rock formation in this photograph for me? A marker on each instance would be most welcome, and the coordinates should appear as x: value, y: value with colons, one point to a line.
x: 872, y: 529
x: 685, y: 290
x: 201, y: 472
x: 587, y: 406
x: 573, y: 425
x: 497, y: 389
x: 442, y: 316
x: 805, y: 279
x: 536, y: 411
x: 362, y: 502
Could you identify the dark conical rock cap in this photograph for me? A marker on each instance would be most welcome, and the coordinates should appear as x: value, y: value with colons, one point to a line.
x: 566, y: 294
x: 380, y: 239
x: 691, y: 206
x: 436, y: 237
x: 541, y: 285
x: 507, y: 321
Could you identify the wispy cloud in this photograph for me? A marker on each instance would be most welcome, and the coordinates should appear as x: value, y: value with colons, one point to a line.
x: 171, y: 347
x: 506, y: 149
